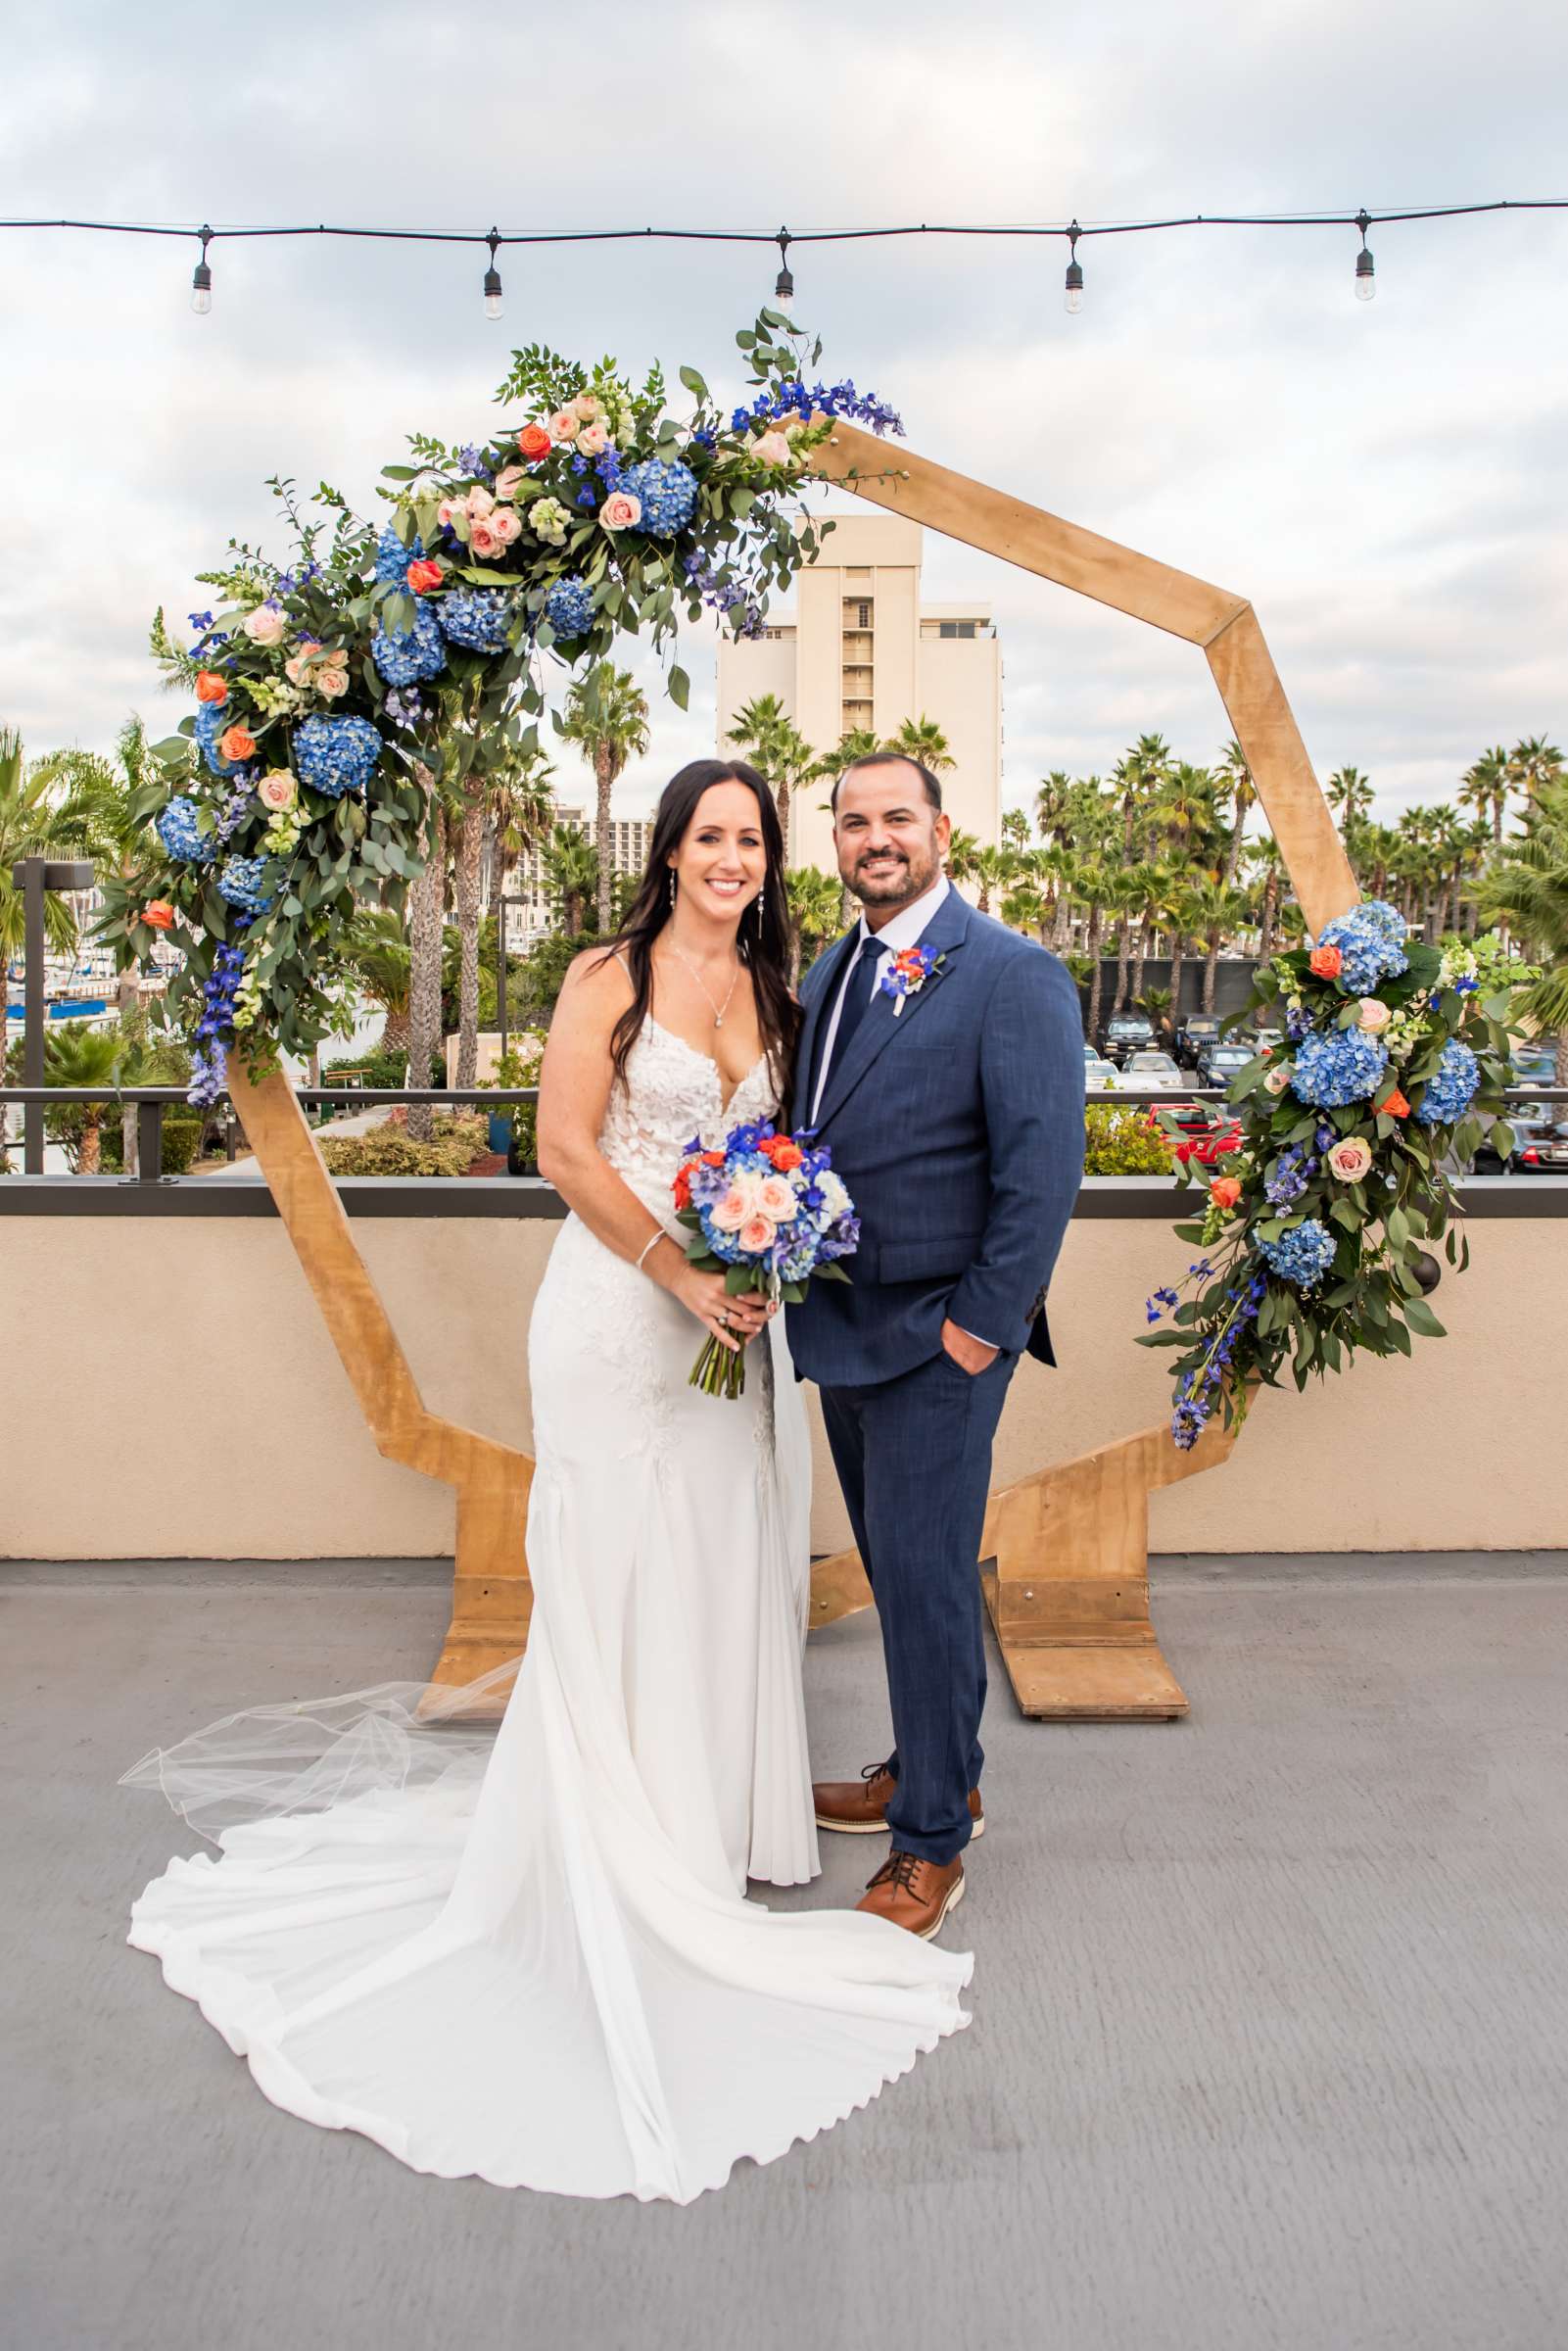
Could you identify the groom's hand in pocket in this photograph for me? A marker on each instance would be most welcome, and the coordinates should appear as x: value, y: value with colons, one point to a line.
x: 970, y: 1354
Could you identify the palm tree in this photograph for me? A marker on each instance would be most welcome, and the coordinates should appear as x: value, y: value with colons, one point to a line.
x: 858, y: 743
x: 963, y: 850
x: 1090, y: 886
x: 1185, y: 813
x: 1527, y: 886
x: 1243, y: 789
x: 1015, y: 829
x: 519, y: 809
x: 1180, y: 920
x: 44, y: 812
x: 991, y: 869
x: 1349, y: 791
x: 1533, y: 763
x: 575, y: 873
x: 1215, y: 910
x: 814, y: 911
x: 1155, y: 1005
x: 1053, y: 803
x: 76, y: 1054
x: 1157, y: 883
x: 1270, y: 866
x: 764, y: 730
x: 1122, y: 895
x: 1487, y: 784
x: 607, y: 718
x: 377, y: 951
x: 921, y: 739
x: 1024, y: 908
x: 1140, y: 777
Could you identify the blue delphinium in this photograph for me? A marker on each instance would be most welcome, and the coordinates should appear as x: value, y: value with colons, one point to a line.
x: 1303, y: 1252
x: 668, y: 492
x: 209, y: 724
x: 569, y: 608
x: 1336, y: 1066
x: 335, y: 756
x: 393, y: 559
x: 477, y: 617
x: 1450, y: 1088
x: 793, y: 399
x: 181, y: 834
x: 240, y: 881
x: 404, y: 709
x: 405, y: 656
x: 237, y: 807
x: 1368, y: 951
x: 209, y: 1063
x: 1288, y: 1181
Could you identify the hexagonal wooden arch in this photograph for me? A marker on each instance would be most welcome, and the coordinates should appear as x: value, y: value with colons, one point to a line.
x: 1064, y: 1549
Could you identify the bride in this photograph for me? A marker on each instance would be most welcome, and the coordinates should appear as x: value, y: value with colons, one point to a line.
x: 533, y: 1958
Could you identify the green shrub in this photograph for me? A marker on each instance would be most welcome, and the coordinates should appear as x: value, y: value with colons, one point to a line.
x: 181, y: 1140
x: 390, y: 1150
x: 384, y: 1067
x: 1121, y: 1142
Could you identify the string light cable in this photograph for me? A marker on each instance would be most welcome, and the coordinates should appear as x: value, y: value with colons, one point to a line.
x: 785, y: 239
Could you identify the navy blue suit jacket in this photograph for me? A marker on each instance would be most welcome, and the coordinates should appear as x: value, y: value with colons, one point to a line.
x: 958, y: 1126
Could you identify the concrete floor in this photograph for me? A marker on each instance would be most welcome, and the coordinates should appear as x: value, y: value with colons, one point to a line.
x: 1270, y: 2039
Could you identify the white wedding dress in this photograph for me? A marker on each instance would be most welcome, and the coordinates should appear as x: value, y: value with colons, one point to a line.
x: 528, y: 1954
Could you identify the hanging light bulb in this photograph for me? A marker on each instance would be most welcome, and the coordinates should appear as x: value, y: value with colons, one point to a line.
x: 202, y: 281
x: 783, y: 289
x: 493, y: 301
x: 1072, y: 299
x: 1365, y: 280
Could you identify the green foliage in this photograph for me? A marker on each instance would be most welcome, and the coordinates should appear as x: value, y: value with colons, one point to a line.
x: 1123, y: 1143
x: 390, y: 1150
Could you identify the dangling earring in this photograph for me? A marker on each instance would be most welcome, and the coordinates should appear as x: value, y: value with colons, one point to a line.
x: 672, y: 889
x: 761, y: 895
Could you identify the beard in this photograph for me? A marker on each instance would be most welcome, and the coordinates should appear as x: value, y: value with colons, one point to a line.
x: 897, y: 879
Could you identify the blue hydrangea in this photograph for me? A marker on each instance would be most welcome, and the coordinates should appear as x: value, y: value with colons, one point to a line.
x: 240, y: 882
x: 335, y: 756
x: 405, y: 656
x: 1368, y: 952
x: 210, y: 725
x: 477, y: 617
x: 569, y: 608
x: 393, y: 559
x: 1385, y: 917
x: 1303, y: 1252
x: 1336, y: 1066
x: 180, y: 832
x: 668, y: 492
x: 1450, y: 1086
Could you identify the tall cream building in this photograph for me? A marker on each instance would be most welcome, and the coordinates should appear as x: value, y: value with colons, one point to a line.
x: 864, y: 652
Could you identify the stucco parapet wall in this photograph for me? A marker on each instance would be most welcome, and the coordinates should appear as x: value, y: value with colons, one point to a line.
x: 1143, y: 1197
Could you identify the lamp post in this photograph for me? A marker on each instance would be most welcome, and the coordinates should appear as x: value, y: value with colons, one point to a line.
x: 32, y: 875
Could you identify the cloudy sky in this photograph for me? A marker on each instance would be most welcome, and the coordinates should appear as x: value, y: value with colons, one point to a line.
x: 1386, y: 481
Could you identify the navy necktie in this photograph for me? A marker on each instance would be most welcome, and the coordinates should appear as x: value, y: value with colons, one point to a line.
x: 854, y: 1007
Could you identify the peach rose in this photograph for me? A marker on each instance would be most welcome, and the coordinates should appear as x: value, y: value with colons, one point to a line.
x: 159, y: 915
x: 510, y: 476
x: 236, y: 743
x: 276, y: 788
x: 478, y: 504
x: 423, y: 575
x: 563, y: 425
x: 585, y: 407
x: 297, y: 668
x: 209, y: 687
x: 621, y: 511
x: 1225, y: 1192
x: 776, y: 1199
x: 485, y: 542
x: 448, y: 512
x: 594, y: 440
x: 263, y: 626
x: 1278, y: 1078
x: 332, y: 681
x: 756, y: 1236
x: 1373, y: 1015
x: 1325, y: 962
x: 771, y: 449
x: 504, y: 525
x: 1350, y: 1160
x: 733, y: 1210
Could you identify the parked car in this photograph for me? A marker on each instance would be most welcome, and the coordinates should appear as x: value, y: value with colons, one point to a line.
x: 1197, y: 1030
x: 1205, y: 1146
x: 1129, y: 1032
x: 1533, y: 1066
x: 1533, y: 1124
x: 1217, y: 1064
x: 1150, y: 1070
x: 1099, y: 1075
x: 1547, y: 1155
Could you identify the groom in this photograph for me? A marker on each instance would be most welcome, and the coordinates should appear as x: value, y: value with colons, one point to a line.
x: 948, y: 1085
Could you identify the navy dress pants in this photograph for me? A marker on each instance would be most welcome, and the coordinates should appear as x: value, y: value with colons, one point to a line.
x: 914, y: 1459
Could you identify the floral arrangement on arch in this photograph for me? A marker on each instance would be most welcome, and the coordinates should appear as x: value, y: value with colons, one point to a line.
x: 1394, y: 1062
x: 331, y: 693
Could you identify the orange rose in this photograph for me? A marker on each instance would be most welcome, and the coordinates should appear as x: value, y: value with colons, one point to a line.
x: 785, y: 1154
x: 1325, y: 962
x: 209, y: 687
x: 1225, y: 1192
x: 236, y: 743
x: 423, y: 575
x: 534, y: 442
x: 1395, y: 1106
x: 683, y: 1187
x: 713, y: 1159
x: 160, y: 914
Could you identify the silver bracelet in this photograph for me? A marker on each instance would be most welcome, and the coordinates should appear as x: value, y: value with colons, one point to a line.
x: 647, y: 1245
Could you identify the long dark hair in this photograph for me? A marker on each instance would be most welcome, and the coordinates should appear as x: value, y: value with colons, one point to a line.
x: 763, y: 941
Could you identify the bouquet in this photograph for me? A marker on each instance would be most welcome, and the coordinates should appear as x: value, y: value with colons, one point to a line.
x: 768, y: 1212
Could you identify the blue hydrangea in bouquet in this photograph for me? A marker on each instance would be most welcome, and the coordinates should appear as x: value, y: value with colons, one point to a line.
x: 1391, y: 1073
x: 769, y: 1214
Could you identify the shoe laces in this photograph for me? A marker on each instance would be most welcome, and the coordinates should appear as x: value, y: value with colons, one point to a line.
x: 898, y: 1870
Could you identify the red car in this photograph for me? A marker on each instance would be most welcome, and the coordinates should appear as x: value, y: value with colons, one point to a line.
x: 1207, y: 1145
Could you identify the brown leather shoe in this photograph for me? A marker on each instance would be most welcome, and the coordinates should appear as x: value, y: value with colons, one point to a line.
x: 859, y: 1807
x: 914, y: 1893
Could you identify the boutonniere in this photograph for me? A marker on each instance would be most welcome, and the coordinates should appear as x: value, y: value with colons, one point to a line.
x: 908, y: 973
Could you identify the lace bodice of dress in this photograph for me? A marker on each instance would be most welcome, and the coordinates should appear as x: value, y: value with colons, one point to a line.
x: 672, y: 1092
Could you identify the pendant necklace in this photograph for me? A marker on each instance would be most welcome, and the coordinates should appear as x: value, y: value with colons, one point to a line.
x: 718, y: 1010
